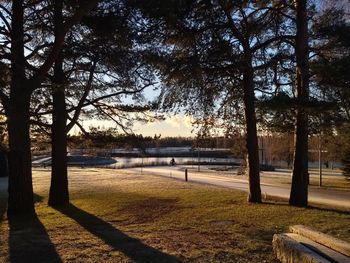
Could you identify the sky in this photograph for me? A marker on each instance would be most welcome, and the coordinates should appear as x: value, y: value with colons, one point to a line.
x: 172, y: 126
x: 177, y: 125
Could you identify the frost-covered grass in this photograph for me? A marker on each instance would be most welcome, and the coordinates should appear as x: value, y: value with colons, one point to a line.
x: 119, y: 216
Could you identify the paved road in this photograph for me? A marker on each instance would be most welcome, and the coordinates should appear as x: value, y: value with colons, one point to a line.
x: 328, y: 197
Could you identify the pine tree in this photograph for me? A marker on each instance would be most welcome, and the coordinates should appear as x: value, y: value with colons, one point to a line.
x: 215, y: 55
x: 22, y: 86
x: 300, y: 176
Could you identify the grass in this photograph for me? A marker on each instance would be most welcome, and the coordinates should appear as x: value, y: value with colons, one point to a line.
x: 116, y: 216
x: 330, y: 178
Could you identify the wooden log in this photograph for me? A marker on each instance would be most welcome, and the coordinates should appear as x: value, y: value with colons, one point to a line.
x: 289, y: 250
x: 321, y: 238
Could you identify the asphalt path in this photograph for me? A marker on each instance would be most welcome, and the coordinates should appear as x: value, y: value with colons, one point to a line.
x: 330, y: 198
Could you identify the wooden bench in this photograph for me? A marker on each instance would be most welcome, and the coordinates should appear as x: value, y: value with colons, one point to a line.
x: 305, y: 245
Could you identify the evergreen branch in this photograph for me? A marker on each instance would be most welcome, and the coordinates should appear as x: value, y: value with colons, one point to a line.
x: 59, y: 39
x: 266, y: 43
x: 83, y: 98
x: 37, y: 49
x: 125, y: 129
x: 233, y: 27
x: 5, y: 100
x: 82, y: 129
x: 123, y: 92
x: 273, y: 61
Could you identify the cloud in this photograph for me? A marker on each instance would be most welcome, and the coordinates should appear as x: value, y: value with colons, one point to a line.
x: 179, y: 121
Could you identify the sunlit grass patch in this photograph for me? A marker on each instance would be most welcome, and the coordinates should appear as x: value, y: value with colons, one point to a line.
x: 117, y: 216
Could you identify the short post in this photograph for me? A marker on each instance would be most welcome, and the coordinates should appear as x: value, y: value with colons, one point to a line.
x: 199, y: 161
x: 320, y: 161
x: 186, y: 178
x: 142, y: 164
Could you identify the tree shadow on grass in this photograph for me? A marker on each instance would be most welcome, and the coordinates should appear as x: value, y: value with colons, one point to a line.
x: 29, y: 240
x: 329, y: 209
x: 311, y: 206
x: 131, y: 247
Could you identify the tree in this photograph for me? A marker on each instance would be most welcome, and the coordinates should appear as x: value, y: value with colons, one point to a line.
x: 300, y: 176
x: 323, y: 111
x: 331, y: 70
x: 59, y: 194
x: 17, y: 104
x: 214, y: 57
x: 95, y: 49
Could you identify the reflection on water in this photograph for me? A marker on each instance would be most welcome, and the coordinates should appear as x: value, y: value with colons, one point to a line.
x: 139, y: 161
x: 125, y: 162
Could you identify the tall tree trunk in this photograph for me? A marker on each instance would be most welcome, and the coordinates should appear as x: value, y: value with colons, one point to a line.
x: 251, y: 137
x: 59, y: 194
x: 3, y: 163
x: 20, y: 199
x: 299, y: 189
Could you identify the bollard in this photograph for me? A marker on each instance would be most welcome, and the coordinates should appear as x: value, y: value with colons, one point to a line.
x: 186, y: 179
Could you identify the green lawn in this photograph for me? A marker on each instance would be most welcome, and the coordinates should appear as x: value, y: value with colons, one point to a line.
x: 126, y: 217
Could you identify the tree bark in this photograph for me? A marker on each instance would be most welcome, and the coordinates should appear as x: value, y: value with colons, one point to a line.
x: 254, y: 194
x: 3, y: 163
x: 20, y: 188
x: 59, y: 194
x: 299, y: 189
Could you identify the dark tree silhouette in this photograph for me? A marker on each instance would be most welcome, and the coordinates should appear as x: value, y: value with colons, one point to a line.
x: 215, y: 56
x: 299, y: 190
x: 21, y: 88
x: 93, y: 50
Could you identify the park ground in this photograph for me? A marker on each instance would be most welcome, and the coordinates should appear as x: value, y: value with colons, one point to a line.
x: 125, y: 216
